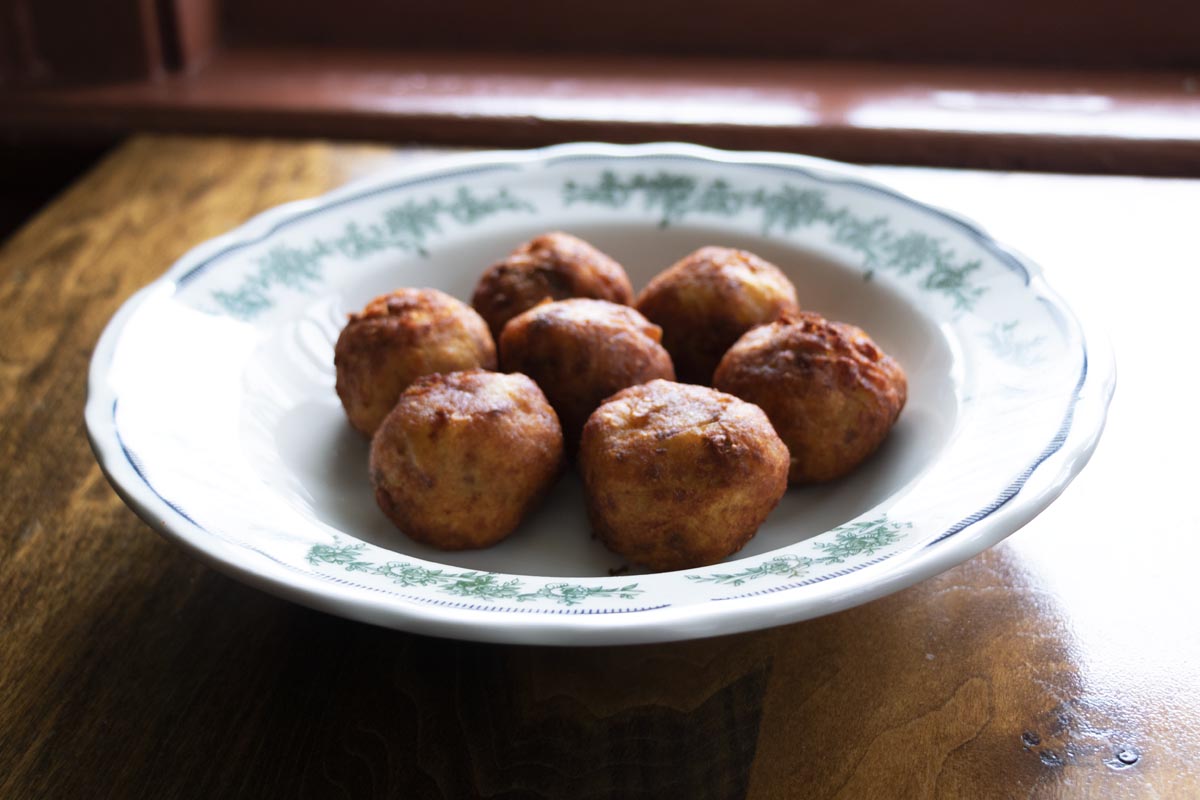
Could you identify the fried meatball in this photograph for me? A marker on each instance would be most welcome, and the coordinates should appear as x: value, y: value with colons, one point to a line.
x: 554, y: 266
x: 830, y: 392
x: 464, y: 456
x: 679, y: 476
x: 580, y: 352
x: 707, y: 300
x: 398, y: 338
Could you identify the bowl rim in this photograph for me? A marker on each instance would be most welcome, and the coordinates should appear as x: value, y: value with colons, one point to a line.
x: 1045, y: 480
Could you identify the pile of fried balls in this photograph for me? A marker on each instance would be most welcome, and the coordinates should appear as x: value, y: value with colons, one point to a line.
x: 687, y: 410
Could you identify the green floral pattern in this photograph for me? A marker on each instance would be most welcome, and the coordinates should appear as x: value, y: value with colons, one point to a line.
x: 406, y: 227
x: 472, y: 584
x: 785, y: 208
x: 789, y: 566
x: 855, y: 539
x: 860, y: 539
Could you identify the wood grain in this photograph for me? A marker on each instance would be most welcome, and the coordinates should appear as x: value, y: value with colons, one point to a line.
x: 129, y: 670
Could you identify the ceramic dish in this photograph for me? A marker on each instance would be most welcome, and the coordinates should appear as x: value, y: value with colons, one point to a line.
x: 211, y: 405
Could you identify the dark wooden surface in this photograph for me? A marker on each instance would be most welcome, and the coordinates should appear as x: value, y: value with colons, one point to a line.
x: 1037, y: 669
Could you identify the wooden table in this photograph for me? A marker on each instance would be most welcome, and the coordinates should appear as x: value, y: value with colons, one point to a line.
x: 1064, y: 662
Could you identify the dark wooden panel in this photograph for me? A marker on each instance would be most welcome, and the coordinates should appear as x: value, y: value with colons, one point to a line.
x: 1052, y: 32
x: 189, y: 32
x: 19, y: 60
x: 83, y: 41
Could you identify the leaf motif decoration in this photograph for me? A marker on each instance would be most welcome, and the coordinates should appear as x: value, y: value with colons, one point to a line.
x: 785, y: 208
x: 471, y: 584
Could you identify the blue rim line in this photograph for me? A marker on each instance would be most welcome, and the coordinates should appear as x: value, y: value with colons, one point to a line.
x: 985, y: 240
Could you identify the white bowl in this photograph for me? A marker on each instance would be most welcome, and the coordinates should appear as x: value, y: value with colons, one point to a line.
x: 211, y: 405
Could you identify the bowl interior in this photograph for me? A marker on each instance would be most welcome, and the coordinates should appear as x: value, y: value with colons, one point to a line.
x: 301, y: 447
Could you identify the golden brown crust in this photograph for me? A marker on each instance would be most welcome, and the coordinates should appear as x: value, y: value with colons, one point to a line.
x: 396, y: 339
x: 555, y: 266
x: 829, y: 390
x: 705, y: 301
x: 581, y: 351
x: 679, y: 476
x: 464, y: 457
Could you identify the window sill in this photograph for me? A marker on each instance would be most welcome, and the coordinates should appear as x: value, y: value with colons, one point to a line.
x: 1006, y: 118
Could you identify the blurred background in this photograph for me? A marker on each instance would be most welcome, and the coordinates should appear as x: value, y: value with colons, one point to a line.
x: 1105, y: 86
